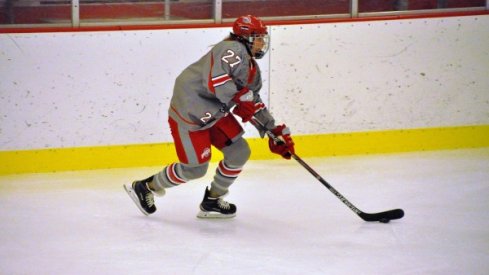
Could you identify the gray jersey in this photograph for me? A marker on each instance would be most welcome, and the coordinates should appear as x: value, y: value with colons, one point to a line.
x: 203, y: 92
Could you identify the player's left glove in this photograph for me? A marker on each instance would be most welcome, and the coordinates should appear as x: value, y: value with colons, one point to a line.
x: 285, y: 147
x: 246, y: 107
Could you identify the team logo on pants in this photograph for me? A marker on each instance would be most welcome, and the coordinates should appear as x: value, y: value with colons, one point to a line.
x: 206, y: 153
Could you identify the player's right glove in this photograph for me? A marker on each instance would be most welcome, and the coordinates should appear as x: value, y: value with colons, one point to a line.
x: 285, y: 145
x: 246, y: 107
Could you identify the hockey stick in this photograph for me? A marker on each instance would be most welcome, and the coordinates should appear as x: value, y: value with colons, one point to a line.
x: 383, y: 217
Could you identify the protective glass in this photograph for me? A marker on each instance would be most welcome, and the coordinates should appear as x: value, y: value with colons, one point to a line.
x: 260, y: 44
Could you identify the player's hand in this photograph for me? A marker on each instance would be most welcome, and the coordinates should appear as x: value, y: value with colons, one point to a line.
x: 285, y: 145
x: 246, y: 107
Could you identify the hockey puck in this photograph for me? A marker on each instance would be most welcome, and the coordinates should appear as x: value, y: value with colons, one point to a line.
x: 384, y: 220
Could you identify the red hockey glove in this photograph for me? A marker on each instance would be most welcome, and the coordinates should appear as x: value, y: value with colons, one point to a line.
x: 285, y: 147
x: 246, y: 107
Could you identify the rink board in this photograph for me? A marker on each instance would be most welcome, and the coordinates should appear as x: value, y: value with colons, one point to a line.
x: 372, y: 142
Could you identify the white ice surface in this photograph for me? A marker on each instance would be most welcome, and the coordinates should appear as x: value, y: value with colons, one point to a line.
x: 287, y: 222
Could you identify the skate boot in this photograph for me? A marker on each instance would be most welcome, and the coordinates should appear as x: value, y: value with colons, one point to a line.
x: 142, y: 196
x: 215, y: 208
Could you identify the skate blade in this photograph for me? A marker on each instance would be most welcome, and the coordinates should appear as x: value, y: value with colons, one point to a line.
x: 214, y: 215
x: 134, y: 198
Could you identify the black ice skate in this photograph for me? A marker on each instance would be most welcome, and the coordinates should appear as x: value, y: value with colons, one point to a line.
x: 142, y: 196
x: 215, y: 207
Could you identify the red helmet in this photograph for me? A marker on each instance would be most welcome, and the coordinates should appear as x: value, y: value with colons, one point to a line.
x: 248, y: 25
x: 247, y: 29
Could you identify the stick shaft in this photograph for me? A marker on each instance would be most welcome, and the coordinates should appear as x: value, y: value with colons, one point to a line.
x: 326, y: 184
x: 389, y: 215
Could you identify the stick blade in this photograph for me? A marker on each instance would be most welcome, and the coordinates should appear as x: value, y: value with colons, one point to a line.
x: 393, y: 214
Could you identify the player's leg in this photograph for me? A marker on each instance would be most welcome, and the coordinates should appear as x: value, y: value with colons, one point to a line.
x: 193, y: 150
x: 226, y: 135
x: 228, y: 169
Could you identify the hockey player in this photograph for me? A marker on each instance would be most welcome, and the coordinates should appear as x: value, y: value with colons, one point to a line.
x: 200, y: 116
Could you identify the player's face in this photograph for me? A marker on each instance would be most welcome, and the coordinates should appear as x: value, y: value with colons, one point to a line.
x: 260, y: 43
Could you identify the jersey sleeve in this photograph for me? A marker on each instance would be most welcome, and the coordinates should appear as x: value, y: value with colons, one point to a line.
x: 229, y: 70
x: 264, y: 116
